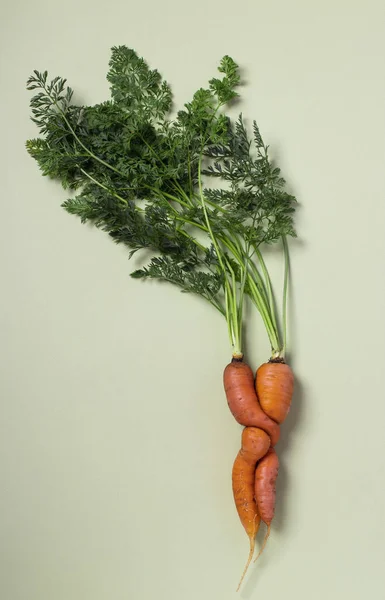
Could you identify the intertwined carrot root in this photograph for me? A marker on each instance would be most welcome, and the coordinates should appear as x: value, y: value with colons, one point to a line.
x: 255, y: 444
x: 260, y: 406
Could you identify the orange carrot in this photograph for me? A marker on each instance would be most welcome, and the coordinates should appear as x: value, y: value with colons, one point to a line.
x: 255, y: 444
x: 274, y: 386
x: 242, y: 399
x: 265, y: 477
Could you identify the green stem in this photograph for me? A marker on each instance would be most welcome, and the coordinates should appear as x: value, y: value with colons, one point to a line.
x: 258, y: 291
x: 228, y: 317
x: 214, y: 205
x: 259, y: 281
x: 269, y: 289
x: 233, y: 325
x: 259, y: 287
x: 234, y: 304
x: 285, y: 293
x: 190, y: 182
x: 216, y: 305
x: 256, y: 297
x: 241, y: 303
x: 192, y: 239
x: 169, y: 196
x: 104, y: 187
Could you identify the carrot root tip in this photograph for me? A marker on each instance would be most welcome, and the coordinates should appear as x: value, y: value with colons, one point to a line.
x: 249, y: 559
x: 264, y: 542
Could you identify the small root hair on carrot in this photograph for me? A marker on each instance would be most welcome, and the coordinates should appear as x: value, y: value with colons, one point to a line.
x: 264, y: 542
x: 249, y: 559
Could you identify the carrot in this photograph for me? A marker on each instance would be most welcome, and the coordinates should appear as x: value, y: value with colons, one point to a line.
x: 274, y: 385
x: 265, y: 477
x: 255, y: 444
x: 242, y: 399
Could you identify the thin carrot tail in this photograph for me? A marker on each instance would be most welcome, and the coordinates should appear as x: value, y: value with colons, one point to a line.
x: 264, y: 542
x: 252, y: 547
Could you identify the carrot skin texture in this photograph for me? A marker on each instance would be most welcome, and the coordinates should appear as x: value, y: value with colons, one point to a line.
x: 238, y: 380
x: 243, y: 490
x: 274, y: 384
x: 265, y: 479
x: 255, y: 444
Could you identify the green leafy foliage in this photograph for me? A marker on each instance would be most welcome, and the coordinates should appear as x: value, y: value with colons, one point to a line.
x: 196, y: 281
x: 255, y: 203
x: 224, y: 88
x: 139, y: 90
x: 147, y: 179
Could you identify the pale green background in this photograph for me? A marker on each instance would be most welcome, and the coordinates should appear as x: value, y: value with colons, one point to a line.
x: 116, y: 443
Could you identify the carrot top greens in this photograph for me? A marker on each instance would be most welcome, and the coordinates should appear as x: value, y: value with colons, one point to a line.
x: 196, y: 189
